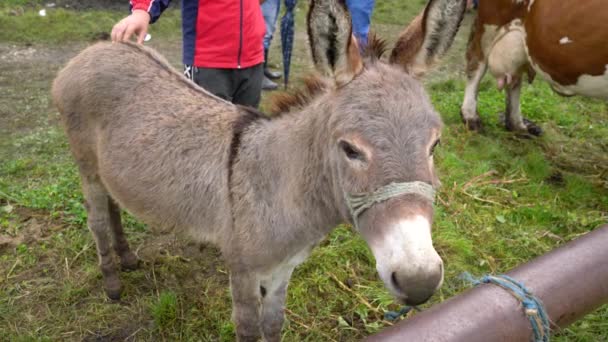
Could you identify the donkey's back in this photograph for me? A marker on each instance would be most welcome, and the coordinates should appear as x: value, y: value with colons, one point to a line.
x: 148, y: 138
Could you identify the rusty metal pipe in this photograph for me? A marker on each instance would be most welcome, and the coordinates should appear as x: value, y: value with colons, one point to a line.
x: 571, y: 281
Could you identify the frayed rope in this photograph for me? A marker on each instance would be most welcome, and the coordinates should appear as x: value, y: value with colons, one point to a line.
x: 533, y: 307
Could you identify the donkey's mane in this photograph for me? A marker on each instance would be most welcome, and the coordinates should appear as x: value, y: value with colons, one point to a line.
x: 314, y: 85
x: 164, y: 64
x: 282, y: 102
x: 285, y: 101
x: 376, y: 47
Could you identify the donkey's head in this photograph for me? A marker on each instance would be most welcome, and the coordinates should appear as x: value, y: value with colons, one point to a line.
x: 383, y: 132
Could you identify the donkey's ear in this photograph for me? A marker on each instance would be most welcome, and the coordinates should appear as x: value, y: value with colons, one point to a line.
x: 429, y: 35
x: 334, y: 51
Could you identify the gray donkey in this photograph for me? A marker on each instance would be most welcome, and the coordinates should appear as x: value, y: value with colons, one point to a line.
x: 358, y: 147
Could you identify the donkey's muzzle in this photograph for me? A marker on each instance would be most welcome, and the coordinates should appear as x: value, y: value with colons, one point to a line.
x: 417, y: 289
x: 406, y: 260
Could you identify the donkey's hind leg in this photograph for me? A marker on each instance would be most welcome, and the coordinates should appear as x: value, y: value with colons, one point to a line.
x: 99, y: 222
x: 128, y: 260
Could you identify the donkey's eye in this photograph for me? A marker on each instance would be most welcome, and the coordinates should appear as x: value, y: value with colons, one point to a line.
x: 434, y: 145
x: 350, y: 151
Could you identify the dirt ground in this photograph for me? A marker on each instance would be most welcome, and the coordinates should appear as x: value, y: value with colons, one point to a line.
x: 26, y: 74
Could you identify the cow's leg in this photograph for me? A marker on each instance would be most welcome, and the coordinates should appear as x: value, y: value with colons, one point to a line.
x: 274, y: 291
x: 469, y: 113
x: 246, y: 305
x: 476, y: 69
x: 128, y: 260
x: 514, y: 121
x: 98, y: 220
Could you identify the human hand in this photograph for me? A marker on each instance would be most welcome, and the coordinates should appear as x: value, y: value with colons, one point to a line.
x: 136, y: 23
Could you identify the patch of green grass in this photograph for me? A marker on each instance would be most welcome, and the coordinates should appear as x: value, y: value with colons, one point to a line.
x: 57, y: 26
x: 62, y: 25
x: 396, y: 12
x: 43, y: 179
x: 15, y: 3
x: 164, y: 311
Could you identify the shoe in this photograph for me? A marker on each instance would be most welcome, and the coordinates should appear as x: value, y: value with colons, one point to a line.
x: 273, y: 75
x: 267, y: 84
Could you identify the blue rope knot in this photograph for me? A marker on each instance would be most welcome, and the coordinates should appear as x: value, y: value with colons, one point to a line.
x: 393, y: 315
x: 533, y: 307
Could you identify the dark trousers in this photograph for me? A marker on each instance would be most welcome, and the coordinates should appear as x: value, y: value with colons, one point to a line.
x: 239, y: 86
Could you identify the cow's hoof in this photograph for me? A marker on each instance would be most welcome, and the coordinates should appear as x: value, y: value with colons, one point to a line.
x: 533, y: 128
x: 527, y: 128
x: 472, y: 124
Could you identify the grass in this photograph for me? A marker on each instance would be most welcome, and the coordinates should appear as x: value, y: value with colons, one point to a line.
x: 23, y: 24
x: 504, y: 201
x: 164, y: 310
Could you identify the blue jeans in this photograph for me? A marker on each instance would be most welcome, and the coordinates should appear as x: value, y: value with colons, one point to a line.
x: 361, y: 13
x: 270, y: 10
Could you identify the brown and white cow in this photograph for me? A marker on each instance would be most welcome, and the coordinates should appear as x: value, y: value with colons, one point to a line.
x: 565, y: 42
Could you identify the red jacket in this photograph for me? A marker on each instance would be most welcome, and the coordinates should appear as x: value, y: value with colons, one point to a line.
x: 217, y: 33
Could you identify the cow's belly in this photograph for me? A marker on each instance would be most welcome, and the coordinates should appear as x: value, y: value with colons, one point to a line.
x: 586, y: 85
x: 566, y: 42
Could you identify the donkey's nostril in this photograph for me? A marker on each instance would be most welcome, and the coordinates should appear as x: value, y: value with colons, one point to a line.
x: 395, y: 282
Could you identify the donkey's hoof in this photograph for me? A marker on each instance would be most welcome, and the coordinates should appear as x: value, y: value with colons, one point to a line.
x: 129, y: 262
x: 243, y: 338
x: 272, y: 338
x: 113, y: 293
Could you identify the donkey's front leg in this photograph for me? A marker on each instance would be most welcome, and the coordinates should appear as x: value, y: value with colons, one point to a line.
x: 246, y: 305
x: 274, y: 291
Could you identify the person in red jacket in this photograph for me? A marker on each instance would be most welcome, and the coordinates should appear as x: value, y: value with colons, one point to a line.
x: 222, y: 43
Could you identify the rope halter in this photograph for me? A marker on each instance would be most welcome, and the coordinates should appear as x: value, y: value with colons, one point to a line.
x: 358, y: 203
